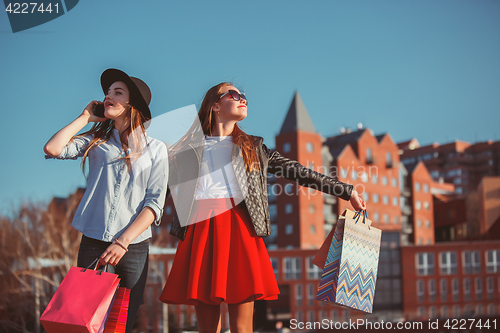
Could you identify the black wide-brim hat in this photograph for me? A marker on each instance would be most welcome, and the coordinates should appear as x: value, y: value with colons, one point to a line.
x: 140, y: 94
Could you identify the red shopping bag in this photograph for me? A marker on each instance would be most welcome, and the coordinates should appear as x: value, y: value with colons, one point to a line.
x: 81, y: 303
x: 117, y: 319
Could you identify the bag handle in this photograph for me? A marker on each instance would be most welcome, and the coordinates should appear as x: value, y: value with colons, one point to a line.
x: 365, y: 217
x: 96, y: 262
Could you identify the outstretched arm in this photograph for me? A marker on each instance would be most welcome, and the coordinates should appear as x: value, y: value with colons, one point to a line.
x: 293, y: 170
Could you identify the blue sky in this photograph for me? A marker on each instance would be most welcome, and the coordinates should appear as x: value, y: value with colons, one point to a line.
x: 424, y: 69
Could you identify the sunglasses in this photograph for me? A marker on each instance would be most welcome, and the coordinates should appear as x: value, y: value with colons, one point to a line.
x: 234, y: 95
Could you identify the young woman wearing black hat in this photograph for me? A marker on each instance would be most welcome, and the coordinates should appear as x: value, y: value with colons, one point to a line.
x: 219, y: 187
x: 126, y: 184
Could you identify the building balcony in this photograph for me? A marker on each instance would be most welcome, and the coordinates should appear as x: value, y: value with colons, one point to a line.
x: 406, y: 191
x: 330, y: 199
x: 406, y: 210
x: 407, y: 228
x: 330, y: 218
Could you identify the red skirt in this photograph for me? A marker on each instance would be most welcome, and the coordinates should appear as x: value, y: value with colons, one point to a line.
x: 220, y: 260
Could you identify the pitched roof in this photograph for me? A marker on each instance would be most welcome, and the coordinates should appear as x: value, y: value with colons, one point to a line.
x: 297, y: 117
x: 380, y: 137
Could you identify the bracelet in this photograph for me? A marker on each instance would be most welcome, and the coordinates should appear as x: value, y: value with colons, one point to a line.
x: 120, y: 244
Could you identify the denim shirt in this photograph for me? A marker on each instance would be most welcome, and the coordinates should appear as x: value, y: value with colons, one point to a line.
x: 115, y: 196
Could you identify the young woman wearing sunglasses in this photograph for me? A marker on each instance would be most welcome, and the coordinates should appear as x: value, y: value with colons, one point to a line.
x: 219, y: 187
x: 126, y: 184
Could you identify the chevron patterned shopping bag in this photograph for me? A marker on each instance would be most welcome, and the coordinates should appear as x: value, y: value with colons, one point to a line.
x: 350, y: 270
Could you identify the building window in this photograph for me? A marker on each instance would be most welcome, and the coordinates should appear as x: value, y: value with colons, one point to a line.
x: 366, y: 196
x: 272, y: 190
x: 489, y: 287
x: 375, y: 179
x: 479, y: 310
x: 448, y: 263
x: 420, y: 290
x: 491, y: 309
x: 354, y: 175
x: 432, y: 312
x: 369, y: 158
x: 395, y: 201
x: 344, y: 172
x: 386, y: 218
x: 444, y: 290
x: 417, y: 186
x: 432, y: 290
x: 418, y: 205
x: 444, y: 312
x: 288, y: 209
x: 388, y: 159
x: 385, y: 181
x: 298, y: 294
x: 287, y: 147
x: 425, y: 263
x: 426, y: 188
x: 493, y: 261
x: 312, y: 209
x: 310, y: 147
x: 456, y: 311
x: 289, y: 229
x: 313, y: 229
x: 273, y: 212
x: 429, y: 241
x: 276, y: 268
x: 300, y: 316
x: 420, y: 311
x: 479, y: 288
x: 455, y: 289
x: 311, y: 294
x: 385, y: 199
x: 168, y: 210
x: 313, y: 271
x: 364, y: 177
x: 427, y: 224
x: 394, y: 182
x: 420, y: 241
x: 396, y: 220
x: 310, y: 316
x: 467, y: 289
x: 471, y: 261
x: 376, y: 217
x: 427, y: 206
x: 292, y: 268
x: 419, y: 223
x: 375, y: 198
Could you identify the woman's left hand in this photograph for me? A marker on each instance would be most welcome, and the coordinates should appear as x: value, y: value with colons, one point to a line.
x: 112, y: 255
x: 356, y: 201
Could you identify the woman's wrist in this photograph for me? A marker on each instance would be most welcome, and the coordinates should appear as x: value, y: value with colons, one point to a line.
x: 120, y: 244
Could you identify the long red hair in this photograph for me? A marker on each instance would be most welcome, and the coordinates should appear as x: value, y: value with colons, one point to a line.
x: 207, y: 120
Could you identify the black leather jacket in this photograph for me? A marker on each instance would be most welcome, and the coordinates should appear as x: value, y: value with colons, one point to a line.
x: 183, y: 183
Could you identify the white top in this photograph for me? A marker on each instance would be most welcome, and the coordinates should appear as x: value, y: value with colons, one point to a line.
x: 216, y: 179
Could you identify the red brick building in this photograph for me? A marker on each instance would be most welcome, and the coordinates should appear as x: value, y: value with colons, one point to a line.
x: 461, y: 163
x: 451, y: 280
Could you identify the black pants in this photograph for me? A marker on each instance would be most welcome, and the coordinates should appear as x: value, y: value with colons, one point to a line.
x: 132, y: 269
